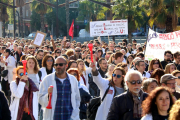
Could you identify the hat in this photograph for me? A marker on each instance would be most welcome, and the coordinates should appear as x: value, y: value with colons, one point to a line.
x: 167, y: 77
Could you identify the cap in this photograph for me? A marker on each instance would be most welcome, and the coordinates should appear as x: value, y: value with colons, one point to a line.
x: 167, y: 77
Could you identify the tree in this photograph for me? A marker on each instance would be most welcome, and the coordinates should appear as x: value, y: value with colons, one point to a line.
x: 132, y: 10
x: 67, y: 17
x: 3, y: 14
x: 91, y: 12
x: 164, y: 13
x: 20, y: 4
x: 41, y: 9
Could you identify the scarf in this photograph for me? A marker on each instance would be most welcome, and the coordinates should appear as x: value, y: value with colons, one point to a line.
x: 25, y: 103
x: 137, y: 110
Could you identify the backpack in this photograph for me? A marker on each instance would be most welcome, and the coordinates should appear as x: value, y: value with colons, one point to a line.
x: 94, y: 105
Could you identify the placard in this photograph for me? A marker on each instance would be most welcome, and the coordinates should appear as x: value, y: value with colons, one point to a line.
x: 158, y: 43
x: 108, y: 28
x: 39, y: 38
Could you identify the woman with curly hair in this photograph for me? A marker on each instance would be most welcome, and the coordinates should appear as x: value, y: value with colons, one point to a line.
x: 175, y: 111
x: 157, y: 104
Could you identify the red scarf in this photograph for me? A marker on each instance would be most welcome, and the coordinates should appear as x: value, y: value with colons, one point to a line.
x: 83, y: 79
x: 26, y: 100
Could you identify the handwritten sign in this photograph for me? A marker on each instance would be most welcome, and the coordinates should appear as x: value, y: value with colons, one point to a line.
x: 158, y: 43
x: 108, y: 28
x: 40, y: 36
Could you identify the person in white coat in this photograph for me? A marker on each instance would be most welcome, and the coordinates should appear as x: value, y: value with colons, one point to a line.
x: 47, y: 66
x: 24, y: 99
x: 9, y: 64
x: 157, y: 105
x: 116, y: 88
x: 65, y: 102
x: 83, y: 72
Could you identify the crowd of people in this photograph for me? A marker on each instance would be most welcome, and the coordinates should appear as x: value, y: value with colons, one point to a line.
x: 64, y: 74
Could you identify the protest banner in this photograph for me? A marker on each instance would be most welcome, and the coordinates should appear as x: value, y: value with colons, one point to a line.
x: 108, y: 28
x: 39, y: 38
x: 158, y: 43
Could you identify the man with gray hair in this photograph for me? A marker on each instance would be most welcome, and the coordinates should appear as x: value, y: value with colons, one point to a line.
x: 127, y: 106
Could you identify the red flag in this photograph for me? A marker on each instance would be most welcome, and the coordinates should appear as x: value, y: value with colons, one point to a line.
x: 71, y: 30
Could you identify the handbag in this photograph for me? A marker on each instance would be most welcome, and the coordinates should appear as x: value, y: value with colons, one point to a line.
x: 94, y: 104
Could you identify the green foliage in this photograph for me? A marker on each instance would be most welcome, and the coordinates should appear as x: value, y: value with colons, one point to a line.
x: 35, y: 20
x: 131, y: 10
x: 161, y: 9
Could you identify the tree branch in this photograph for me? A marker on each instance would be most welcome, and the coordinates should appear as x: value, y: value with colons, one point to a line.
x: 62, y: 5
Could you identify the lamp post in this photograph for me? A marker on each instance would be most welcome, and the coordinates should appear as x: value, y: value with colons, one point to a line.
x: 18, y: 22
x: 14, y: 18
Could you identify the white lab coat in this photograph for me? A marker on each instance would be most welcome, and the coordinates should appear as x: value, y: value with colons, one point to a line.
x: 44, y: 73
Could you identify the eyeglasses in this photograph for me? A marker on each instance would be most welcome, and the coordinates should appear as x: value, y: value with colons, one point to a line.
x: 118, y: 76
x: 60, y: 64
x: 78, y: 51
x: 58, y: 52
x: 156, y: 63
x: 178, y: 77
x: 171, y: 84
x: 133, y: 82
x: 49, y: 60
x: 31, y: 48
x: 21, y: 74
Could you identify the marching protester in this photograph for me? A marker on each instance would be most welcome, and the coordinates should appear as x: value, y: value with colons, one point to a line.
x: 140, y: 66
x: 170, y: 67
x: 8, y: 62
x: 47, y: 66
x: 157, y: 104
x: 154, y: 64
x: 115, y: 87
x: 39, y: 57
x: 149, y: 85
x: 65, y: 93
x: 24, y: 104
x: 176, y: 73
x: 167, y: 58
x: 127, y: 106
x: 174, y: 113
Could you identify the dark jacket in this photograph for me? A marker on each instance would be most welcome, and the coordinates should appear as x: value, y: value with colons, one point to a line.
x: 40, y: 63
x: 93, y: 88
x: 164, y: 63
x: 85, y: 98
x: 177, y: 66
x: 176, y: 94
x: 102, y: 73
x: 122, y: 107
x: 4, y: 108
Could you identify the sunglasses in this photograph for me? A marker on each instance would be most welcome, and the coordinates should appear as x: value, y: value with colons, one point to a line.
x: 133, y: 82
x: 78, y: 51
x: 60, y: 64
x: 178, y: 77
x: 89, y: 58
x: 118, y: 76
x: 21, y: 74
x: 156, y: 63
x: 58, y: 52
x: 49, y: 60
x: 74, y: 74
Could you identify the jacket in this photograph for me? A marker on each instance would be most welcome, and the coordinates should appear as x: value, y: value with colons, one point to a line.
x: 48, y: 114
x: 4, y: 108
x: 44, y: 73
x: 103, y: 109
x: 147, y: 117
x: 164, y: 63
x: 11, y: 64
x: 103, y: 74
x: 122, y: 107
x: 17, y: 93
x: 85, y: 74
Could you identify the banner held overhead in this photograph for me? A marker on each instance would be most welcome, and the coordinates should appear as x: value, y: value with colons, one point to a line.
x: 108, y: 28
x: 158, y: 43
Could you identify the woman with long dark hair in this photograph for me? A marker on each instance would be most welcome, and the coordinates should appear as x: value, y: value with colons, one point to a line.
x: 47, y: 66
x: 115, y: 85
x: 157, y: 104
x: 154, y: 64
